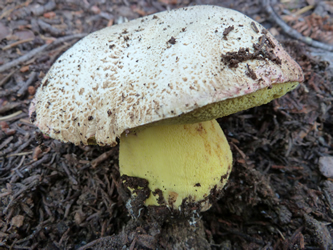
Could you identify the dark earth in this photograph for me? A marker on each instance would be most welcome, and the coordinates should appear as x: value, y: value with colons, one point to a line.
x: 60, y: 196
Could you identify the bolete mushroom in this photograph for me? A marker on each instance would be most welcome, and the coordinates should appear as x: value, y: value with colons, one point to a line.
x: 158, y: 83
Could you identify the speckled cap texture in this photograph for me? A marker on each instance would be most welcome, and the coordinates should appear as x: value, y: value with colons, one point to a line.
x: 155, y: 68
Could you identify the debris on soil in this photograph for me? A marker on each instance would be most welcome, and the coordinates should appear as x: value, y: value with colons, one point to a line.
x: 319, y: 231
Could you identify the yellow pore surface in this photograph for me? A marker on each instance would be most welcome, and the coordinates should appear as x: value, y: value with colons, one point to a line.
x: 233, y: 105
x: 183, y: 161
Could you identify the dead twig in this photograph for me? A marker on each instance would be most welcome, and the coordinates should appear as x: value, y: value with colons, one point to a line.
x: 24, y: 145
x: 44, y: 159
x: 6, y: 78
x: 292, y: 32
x: 38, y: 50
x: 6, y: 142
x: 49, y: 28
x: 12, y: 45
x: 8, y: 92
x: 9, y: 106
x: 11, y: 147
x: 101, y: 158
x: 14, y: 116
x: 67, y: 38
x: 24, y: 58
x: 26, y: 84
x: 72, y: 179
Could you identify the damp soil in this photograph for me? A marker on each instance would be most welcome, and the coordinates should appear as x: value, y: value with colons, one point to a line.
x: 61, y: 196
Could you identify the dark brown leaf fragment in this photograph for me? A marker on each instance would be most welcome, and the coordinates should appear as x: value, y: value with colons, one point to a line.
x: 250, y: 73
x: 261, y: 52
x: 227, y: 31
x: 254, y: 27
x: 172, y: 40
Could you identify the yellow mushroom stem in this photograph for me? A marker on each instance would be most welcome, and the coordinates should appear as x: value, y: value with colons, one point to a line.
x: 180, y: 162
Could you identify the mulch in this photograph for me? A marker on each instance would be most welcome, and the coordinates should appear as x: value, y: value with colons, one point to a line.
x: 60, y: 196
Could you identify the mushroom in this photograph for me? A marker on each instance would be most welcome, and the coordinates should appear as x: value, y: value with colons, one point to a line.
x: 158, y: 83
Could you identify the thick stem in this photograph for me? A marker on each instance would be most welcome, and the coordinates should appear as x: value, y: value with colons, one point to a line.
x: 182, y: 164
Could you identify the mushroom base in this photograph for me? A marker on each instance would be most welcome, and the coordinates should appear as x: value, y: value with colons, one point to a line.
x: 148, y: 233
x: 182, y: 164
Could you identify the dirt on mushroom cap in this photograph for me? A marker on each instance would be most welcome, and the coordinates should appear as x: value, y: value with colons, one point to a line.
x: 130, y: 75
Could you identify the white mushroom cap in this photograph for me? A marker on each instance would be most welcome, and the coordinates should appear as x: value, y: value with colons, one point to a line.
x: 156, y: 67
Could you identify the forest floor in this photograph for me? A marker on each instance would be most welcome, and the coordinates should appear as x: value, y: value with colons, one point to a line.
x: 60, y: 196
